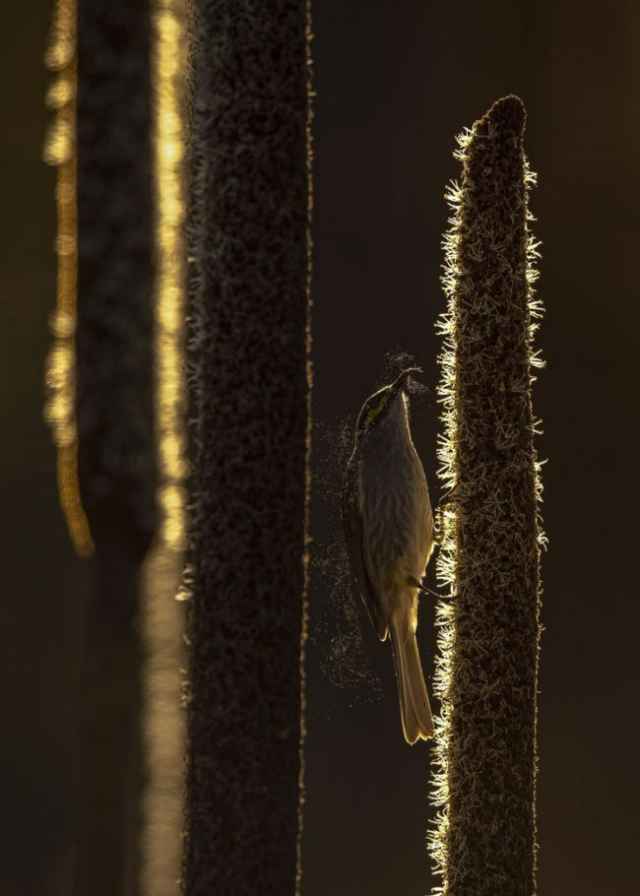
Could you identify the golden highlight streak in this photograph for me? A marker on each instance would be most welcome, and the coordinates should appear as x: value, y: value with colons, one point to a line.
x: 60, y: 150
x: 163, y: 614
x: 163, y: 723
x: 170, y: 40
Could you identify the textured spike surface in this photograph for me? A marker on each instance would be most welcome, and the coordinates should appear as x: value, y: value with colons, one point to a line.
x: 250, y: 380
x: 484, y: 840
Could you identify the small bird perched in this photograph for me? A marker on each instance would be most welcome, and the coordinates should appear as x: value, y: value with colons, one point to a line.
x: 388, y: 525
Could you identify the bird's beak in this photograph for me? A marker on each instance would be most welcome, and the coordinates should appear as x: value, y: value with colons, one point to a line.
x: 400, y: 381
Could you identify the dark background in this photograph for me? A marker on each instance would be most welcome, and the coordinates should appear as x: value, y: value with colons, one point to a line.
x: 395, y: 83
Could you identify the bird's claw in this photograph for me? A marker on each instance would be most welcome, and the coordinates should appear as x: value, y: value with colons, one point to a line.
x: 438, y: 522
x: 451, y: 495
x: 438, y: 532
x: 422, y: 588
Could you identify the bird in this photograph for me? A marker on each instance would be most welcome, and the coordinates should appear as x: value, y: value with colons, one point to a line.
x: 389, y: 533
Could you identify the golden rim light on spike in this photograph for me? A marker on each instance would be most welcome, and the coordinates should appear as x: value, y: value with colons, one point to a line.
x: 170, y: 40
x: 163, y: 613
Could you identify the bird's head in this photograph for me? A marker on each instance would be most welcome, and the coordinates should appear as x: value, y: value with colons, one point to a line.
x: 378, y: 405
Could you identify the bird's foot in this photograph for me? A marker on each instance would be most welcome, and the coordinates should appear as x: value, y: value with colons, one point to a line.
x: 438, y: 520
x: 438, y: 532
x: 451, y: 496
x: 422, y: 588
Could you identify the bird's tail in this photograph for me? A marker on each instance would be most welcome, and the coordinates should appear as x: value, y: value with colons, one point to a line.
x: 415, y: 710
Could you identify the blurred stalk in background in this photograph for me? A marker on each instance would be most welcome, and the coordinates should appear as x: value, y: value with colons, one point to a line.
x: 115, y: 423
x: 102, y: 406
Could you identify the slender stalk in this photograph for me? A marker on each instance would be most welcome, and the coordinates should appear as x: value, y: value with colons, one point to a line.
x: 60, y: 150
x: 484, y: 843
x: 250, y: 386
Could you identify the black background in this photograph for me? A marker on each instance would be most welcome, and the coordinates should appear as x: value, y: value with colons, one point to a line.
x: 395, y: 83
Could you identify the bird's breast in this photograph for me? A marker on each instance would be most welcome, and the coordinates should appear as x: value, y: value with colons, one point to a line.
x: 396, y: 511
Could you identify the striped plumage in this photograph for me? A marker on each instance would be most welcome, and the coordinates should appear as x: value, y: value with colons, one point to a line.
x: 388, y: 525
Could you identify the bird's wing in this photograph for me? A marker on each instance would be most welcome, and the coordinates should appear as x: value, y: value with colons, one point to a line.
x: 352, y: 524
